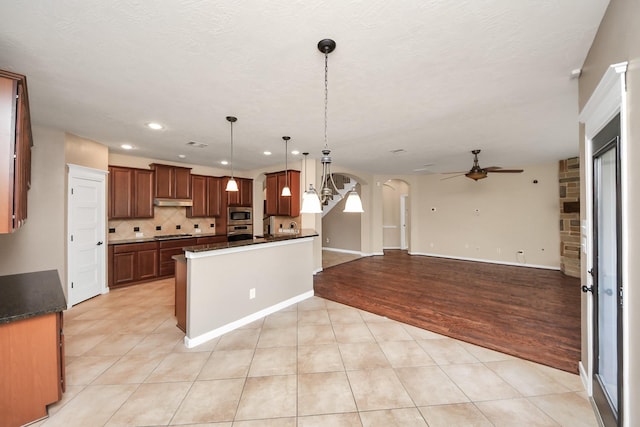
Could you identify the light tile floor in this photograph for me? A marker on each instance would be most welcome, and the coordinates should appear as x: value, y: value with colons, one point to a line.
x: 317, y: 363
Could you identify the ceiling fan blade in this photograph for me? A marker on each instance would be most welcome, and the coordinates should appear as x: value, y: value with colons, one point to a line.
x: 454, y: 176
x: 506, y: 171
x: 449, y: 173
x: 492, y: 168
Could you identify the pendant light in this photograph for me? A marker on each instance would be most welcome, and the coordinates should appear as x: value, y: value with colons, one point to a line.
x: 353, y: 204
x: 328, y: 186
x: 310, y: 199
x: 286, y: 191
x: 232, y: 185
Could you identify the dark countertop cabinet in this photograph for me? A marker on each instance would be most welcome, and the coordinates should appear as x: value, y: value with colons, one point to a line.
x: 31, y: 346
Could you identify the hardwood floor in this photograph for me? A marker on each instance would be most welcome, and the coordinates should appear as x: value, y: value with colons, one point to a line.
x: 526, y: 312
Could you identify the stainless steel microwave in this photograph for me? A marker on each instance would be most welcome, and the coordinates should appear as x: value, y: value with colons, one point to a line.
x: 240, y: 215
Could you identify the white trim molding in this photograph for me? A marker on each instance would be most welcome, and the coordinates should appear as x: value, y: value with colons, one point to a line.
x: 608, y: 99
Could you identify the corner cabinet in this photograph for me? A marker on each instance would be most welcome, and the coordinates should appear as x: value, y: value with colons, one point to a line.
x: 15, y: 145
x: 130, y: 193
x: 283, y: 205
x: 172, y: 182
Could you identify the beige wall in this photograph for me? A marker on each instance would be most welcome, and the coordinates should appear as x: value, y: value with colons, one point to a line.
x: 618, y: 40
x: 491, y: 219
x: 39, y: 244
x: 85, y: 152
x: 341, y: 230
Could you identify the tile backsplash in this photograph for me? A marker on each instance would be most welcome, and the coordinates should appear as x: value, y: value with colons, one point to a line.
x: 170, y: 220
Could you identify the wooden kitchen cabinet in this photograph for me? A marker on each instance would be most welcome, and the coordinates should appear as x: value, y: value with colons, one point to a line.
x: 283, y: 205
x: 206, y: 196
x: 133, y: 262
x: 167, y: 249
x: 15, y: 151
x: 172, y: 182
x: 244, y: 196
x: 130, y: 193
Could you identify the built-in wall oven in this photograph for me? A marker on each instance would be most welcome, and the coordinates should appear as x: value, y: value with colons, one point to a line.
x: 239, y: 224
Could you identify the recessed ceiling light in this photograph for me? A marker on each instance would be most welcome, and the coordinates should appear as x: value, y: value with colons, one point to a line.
x: 224, y: 162
x: 267, y: 153
x: 126, y: 146
x: 182, y: 156
x: 155, y: 126
x: 295, y: 152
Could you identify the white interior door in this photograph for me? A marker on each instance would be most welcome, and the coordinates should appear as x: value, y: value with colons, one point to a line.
x: 86, y: 226
x: 403, y: 221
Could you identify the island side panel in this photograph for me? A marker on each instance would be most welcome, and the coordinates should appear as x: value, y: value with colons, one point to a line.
x: 219, y: 284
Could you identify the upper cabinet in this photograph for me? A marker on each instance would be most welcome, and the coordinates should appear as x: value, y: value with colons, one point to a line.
x: 15, y: 149
x: 244, y: 195
x: 130, y: 193
x: 276, y: 204
x: 207, y: 197
x: 172, y: 182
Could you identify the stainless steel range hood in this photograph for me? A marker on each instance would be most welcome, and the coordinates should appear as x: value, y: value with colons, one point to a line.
x: 173, y: 202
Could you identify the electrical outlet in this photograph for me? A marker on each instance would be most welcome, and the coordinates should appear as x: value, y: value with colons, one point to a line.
x: 252, y: 293
x: 327, y: 240
x: 158, y: 227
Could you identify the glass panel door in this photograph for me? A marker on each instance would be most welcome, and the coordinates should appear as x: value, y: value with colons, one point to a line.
x: 606, y: 274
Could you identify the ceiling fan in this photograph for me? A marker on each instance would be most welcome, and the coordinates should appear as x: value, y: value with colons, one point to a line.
x: 477, y: 172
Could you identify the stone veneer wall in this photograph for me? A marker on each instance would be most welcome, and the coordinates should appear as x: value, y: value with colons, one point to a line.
x: 569, y: 176
x: 165, y: 217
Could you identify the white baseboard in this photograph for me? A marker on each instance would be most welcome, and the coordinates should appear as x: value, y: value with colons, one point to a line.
x: 391, y: 247
x: 344, y: 251
x: 201, y: 339
x: 489, y: 261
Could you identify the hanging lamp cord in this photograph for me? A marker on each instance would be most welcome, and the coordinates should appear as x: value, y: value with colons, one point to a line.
x: 326, y: 96
x: 231, y: 150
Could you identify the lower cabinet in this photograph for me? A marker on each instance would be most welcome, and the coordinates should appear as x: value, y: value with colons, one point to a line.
x: 211, y: 239
x: 134, y: 262
x: 32, y: 368
x: 181, y: 293
x: 167, y: 249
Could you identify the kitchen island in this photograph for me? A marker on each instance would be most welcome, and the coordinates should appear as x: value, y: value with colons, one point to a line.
x: 223, y: 286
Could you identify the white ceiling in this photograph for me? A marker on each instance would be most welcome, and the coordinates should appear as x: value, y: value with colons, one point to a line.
x: 435, y: 78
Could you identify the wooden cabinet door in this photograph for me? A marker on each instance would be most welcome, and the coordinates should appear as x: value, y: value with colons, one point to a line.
x: 199, y: 192
x: 147, y: 264
x: 182, y: 182
x: 143, y: 193
x: 214, y: 197
x: 246, y: 192
x: 284, y: 202
x: 163, y: 187
x: 271, y: 206
x: 15, y: 151
x: 120, y: 192
x: 124, y: 268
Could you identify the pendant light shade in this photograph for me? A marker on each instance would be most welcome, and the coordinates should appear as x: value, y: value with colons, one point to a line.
x: 286, y: 191
x: 310, y: 199
x: 353, y: 204
x: 232, y: 185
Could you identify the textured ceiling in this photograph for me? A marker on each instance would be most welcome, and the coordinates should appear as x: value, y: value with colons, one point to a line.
x: 432, y: 77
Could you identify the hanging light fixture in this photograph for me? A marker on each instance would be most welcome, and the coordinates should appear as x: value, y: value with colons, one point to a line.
x: 310, y: 199
x: 328, y: 186
x: 286, y: 191
x: 232, y: 185
x: 353, y: 204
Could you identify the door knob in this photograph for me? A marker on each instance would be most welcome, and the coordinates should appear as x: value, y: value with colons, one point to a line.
x: 586, y: 289
x: 99, y: 243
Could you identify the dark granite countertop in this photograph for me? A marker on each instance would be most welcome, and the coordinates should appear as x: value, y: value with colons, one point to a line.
x: 30, y: 294
x: 267, y: 238
x: 156, y: 239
